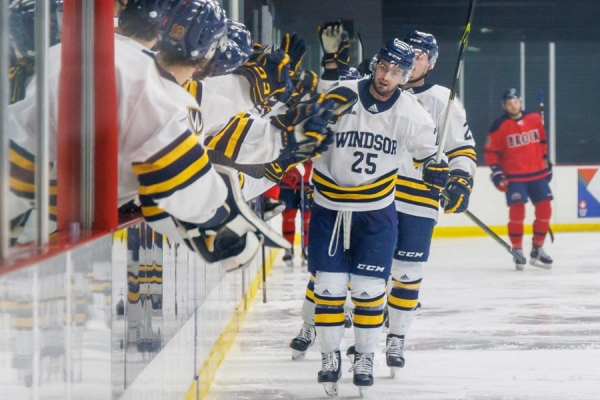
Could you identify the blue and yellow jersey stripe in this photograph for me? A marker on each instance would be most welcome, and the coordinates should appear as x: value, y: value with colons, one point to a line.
x: 175, y: 167
x: 413, y: 191
x: 463, y: 151
x: 22, y: 171
x: 371, y: 192
x: 230, y: 139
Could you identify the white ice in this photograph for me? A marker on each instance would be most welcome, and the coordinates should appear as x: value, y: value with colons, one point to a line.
x: 486, y: 331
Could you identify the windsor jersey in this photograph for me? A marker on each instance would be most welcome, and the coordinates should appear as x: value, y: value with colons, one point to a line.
x: 519, y: 147
x: 358, y: 171
x: 412, y: 196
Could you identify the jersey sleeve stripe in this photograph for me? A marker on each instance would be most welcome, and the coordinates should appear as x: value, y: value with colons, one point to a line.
x: 234, y: 144
x: 464, y: 151
x: 418, y: 163
x: 165, y: 182
x: 167, y: 156
x: 403, y: 196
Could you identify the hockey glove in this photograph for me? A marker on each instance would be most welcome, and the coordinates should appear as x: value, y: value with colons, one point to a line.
x: 268, y: 73
x: 335, y: 43
x: 309, y: 192
x: 295, y: 47
x: 343, y: 99
x: 435, y: 176
x: 304, y: 87
x: 457, y: 192
x: 304, y: 125
x: 499, y: 179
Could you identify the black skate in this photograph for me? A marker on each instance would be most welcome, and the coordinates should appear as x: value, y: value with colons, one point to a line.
x: 539, y: 258
x: 350, y: 353
x: 418, y: 309
x: 394, y: 353
x: 519, y: 266
x: 363, y: 371
x: 272, y: 208
x: 331, y: 372
x: 304, y: 256
x: 348, y: 316
x: 303, y: 341
x: 288, y: 258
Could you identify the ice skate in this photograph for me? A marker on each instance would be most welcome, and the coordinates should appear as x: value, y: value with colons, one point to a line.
x: 363, y: 371
x: 348, y: 316
x: 288, y: 258
x: 418, y: 309
x: 331, y: 372
x: 539, y: 258
x: 272, y: 208
x: 394, y: 353
x: 350, y: 353
x: 518, y: 265
x: 303, y: 341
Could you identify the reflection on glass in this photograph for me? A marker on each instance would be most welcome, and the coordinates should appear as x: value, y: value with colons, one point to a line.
x: 22, y: 119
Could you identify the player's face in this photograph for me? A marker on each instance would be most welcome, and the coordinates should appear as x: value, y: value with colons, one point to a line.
x: 513, y: 107
x: 387, y: 78
x: 421, y: 65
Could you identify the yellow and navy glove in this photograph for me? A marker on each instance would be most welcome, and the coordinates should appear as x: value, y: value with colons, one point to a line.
x: 295, y: 47
x: 304, y: 126
x: 268, y: 73
x: 458, y: 190
x: 305, y: 85
x: 435, y: 176
x: 335, y: 43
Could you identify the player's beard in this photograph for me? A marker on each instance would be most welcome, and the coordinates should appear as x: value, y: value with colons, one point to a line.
x: 419, y: 78
x: 383, y: 92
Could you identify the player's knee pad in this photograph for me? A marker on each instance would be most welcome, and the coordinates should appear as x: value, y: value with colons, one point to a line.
x: 368, y: 296
x: 330, y: 291
x: 406, y: 282
x: 543, y: 210
x: 516, y: 212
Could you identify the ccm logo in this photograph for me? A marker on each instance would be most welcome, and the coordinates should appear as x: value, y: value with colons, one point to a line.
x: 370, y: 267
x: 410, y: 254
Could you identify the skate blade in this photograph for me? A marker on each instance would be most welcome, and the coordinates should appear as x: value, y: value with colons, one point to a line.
x: 363, y: 391
x: 540, y: 264
x: 331, y: 388
x: 298, y: 355
x: 289, y: 264
x: 519, y: 267
x: 393, y: 371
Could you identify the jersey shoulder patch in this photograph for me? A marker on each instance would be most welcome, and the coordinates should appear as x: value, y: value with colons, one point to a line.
x: 195, y: 120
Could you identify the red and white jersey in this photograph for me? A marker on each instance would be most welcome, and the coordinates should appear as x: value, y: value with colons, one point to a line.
x: 412, y: 196
x: 519, y: 147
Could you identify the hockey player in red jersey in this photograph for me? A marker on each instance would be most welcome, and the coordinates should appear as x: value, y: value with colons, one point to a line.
x: 294, y: 188
x: 516, y: 151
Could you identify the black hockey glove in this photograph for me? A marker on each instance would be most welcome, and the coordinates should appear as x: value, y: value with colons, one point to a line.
x: 295, y: 47
x: 304, y: 127
x: 304, y: 87
x: 458, y: 190
x: 435, y: 176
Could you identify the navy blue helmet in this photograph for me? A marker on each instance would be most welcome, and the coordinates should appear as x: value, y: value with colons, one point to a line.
x: 511, y: 93
x: 425, y: 42
x: 239, y: 49
x: 194, y: 29
x: 397, y: 53
x: 149, y: 10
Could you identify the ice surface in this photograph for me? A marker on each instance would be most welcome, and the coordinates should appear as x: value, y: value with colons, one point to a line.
x: 486, y: 331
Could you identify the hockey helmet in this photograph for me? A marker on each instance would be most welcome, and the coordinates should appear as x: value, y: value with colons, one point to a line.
x: 239, y: 49
x: 194, y: 29
x: 397, y: 53
x: 149, y: 10
x: 511, y: 93
x: 426, y: 43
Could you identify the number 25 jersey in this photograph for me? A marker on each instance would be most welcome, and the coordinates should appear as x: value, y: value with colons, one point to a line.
x: 358, y: 171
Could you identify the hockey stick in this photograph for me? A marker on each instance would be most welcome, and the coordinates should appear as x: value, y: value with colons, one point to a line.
x: 459, y: 62
x: 543, y: 123
x: 302, y: 202
x: 521, y: 259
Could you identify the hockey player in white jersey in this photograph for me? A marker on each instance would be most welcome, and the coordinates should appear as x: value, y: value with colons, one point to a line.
x: 353, y: 229
x: 417, y: 206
